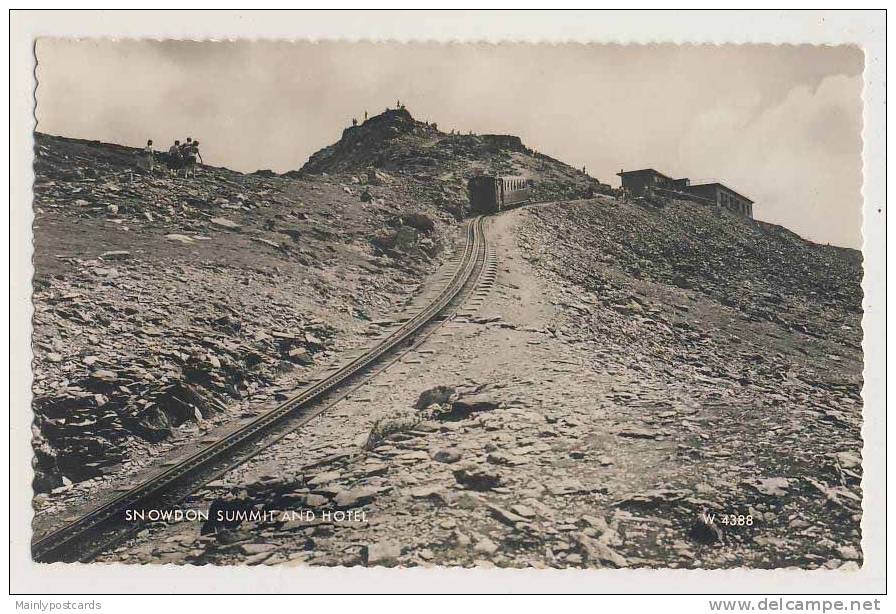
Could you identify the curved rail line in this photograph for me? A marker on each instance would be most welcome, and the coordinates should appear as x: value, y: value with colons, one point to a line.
x: 105, y: 526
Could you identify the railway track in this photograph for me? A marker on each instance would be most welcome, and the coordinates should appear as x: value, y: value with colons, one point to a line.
x: 107, y: 525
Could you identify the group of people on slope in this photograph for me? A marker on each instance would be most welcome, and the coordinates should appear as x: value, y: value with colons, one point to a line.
x: 179, y: 156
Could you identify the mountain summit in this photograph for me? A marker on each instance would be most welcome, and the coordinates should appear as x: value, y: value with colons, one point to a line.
x: 395, y: 142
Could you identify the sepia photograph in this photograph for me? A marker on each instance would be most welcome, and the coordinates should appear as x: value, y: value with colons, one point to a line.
x: 480, y: 305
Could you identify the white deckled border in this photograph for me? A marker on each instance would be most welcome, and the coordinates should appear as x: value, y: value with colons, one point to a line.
x: 866, y: 29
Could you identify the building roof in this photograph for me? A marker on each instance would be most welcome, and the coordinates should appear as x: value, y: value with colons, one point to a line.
x: 721, y: 185
x: 643, y: 171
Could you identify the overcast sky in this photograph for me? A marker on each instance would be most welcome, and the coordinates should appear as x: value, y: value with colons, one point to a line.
x: 780, y: 124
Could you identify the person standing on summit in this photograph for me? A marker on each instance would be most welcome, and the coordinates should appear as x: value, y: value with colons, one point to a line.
x: 147, y: 159
x: 175, y: 158
x: 190, y: 155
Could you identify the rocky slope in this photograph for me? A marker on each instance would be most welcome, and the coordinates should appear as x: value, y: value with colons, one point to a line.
x: 159, y: 300
x: 635, y: 366
x: 581, y: 415
x: 754, y: 335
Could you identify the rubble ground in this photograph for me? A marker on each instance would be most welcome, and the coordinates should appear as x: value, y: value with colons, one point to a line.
x: 580, y: 417
x: 160, y: 302
x: 646, y: 384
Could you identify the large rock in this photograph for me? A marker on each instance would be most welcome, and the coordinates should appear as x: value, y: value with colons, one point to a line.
x: 654, y: 498
x: 477, y: 478
x: 599, y: 553
x: 355, y: 497
x: 301, y: 355
x: 437, y: 395
x: 417, y: 221
x: 468, y: 405
x: 382, y: 553
x: 405, y: 239
x: 446, y: 455
x: 773, y: 487
x: 182, y: 403
x: 151, y: 424
x: 252, y: 549
x: 223, y: 222
x: 486, y: 546
x: 180, y: 238
x: 704, y: 531
x: 46, y: 471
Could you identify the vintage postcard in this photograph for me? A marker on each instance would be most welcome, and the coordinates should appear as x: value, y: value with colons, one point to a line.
x: 530, y: 306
